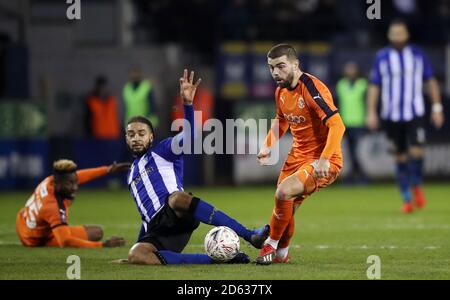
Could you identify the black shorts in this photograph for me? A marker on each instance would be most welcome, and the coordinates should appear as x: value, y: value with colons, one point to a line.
x: 403, y: 135
x: 166, y: 231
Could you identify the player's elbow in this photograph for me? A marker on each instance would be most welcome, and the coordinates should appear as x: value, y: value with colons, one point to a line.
x: 336, y: 124
x: 64, y: 243
x: 340, y: 126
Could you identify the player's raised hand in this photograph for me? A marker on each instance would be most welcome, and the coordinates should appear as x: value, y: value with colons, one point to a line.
x: 321, y: 168
x: 263, y: 156
x: 114, y: 241
x: 188, y: 87
x: 119, y: 167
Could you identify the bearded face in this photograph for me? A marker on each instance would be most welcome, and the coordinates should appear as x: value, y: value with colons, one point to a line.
x: 282, y: 70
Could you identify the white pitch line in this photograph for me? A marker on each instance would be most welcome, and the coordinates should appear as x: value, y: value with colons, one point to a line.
x: 9, y: 243
x: 362, y: 247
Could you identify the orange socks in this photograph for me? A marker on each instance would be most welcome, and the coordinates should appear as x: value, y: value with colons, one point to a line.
x: 281, y: 216
x: 287, y: 235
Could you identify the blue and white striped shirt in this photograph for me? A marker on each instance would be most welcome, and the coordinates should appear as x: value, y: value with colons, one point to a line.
x: 401, y: 74
x: 158, y: 173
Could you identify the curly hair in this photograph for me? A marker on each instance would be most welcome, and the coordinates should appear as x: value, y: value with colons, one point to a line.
x: 64, y: 166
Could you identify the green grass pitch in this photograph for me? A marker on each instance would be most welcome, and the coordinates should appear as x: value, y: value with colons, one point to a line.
x: 336, y: 230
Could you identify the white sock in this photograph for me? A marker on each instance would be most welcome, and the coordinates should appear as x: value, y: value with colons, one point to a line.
x: 273, y: 243
x: 282, y: 252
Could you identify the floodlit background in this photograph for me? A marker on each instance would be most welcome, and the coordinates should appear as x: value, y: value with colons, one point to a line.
x: 51, y: 66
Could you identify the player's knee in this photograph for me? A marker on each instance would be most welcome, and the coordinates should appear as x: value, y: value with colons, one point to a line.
x: 143, y: 254
x: 179, y: 201
x: 283, y: 192
x: 290, y: 188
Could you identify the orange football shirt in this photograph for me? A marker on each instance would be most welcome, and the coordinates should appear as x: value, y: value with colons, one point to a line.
x: 304, y: 110
x: 45, y: 211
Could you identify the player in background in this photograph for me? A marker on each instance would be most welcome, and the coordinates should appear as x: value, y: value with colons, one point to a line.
x: 398, y: 74
x: 305, y: 105
x: 44, y: 219
x: 170, y: 215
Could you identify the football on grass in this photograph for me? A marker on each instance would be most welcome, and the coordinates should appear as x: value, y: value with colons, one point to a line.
x: 222, y: 244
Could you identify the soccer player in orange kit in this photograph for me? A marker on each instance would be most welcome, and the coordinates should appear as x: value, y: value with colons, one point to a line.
x: 44, y: 219
x: 305, y: 105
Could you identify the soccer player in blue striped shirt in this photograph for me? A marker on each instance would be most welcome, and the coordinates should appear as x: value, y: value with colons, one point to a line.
x: 399, y: 74
x: 169, y: 214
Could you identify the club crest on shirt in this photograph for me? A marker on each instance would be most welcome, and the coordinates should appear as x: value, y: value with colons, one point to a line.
x: 301, y: 102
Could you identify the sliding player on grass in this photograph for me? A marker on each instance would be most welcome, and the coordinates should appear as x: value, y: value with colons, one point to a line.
x: 44, y: 219
x: 305, y: 105
x: 169, y: 214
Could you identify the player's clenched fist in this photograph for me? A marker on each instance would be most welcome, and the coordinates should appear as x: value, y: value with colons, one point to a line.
x: 321, y: 168
x: 263, y: 156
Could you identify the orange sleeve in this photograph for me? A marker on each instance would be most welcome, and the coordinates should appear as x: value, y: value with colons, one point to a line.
x: 91, y: 174
x: 336, y: 131
x: 319, y: 98
x: 54, y: 214
x: 65, y: 239
x: 279, y: 127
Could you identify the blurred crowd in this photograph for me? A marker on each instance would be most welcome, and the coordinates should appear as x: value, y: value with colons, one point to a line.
x: 202, y: 23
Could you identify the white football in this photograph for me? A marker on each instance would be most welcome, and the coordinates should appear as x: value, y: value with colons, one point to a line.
x: 222, y: 244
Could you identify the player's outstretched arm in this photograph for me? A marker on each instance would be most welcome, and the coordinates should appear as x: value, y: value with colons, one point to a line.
x: 86, y: 175
x: 65, y: 239
x: 187, y: 93
x: 116, y: 167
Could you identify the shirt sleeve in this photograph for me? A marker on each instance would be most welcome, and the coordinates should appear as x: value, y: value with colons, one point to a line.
x: 87, y: 175
x: 167, y: 149
x: 319, y: 98
x: 280, y: 125
x: 335, y: 133
x: 427, y: 68
x: 375, y: 74
x: 186, y: 135
x: 65, y: 239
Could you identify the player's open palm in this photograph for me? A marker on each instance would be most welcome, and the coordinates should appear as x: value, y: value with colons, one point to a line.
x: 119, y: 167
x: 188, y: 87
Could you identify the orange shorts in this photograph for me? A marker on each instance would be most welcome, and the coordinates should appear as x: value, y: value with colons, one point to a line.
x: 304, y: 171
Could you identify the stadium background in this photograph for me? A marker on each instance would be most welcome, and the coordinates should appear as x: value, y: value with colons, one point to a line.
x: 48, y: 65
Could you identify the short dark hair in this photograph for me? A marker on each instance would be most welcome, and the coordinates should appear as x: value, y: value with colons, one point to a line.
x: 398, y: 22
x: 282, y: 49
x: 141, y: 119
